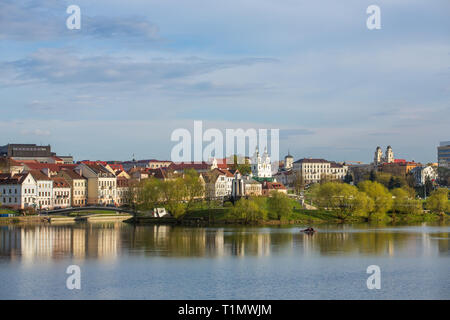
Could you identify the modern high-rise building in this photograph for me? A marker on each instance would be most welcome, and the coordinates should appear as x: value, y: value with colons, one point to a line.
x: 443, y: 153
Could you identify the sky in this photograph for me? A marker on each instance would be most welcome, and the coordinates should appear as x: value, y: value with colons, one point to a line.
x: 139, y: 69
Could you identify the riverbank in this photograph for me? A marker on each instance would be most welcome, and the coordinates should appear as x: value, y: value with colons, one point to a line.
x: 220, y: 216
x: 35, y: 219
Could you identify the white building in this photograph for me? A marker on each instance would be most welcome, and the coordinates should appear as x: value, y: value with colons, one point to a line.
x: 217, y: 184
x: 314, y: 170
x: 421, y: 174
x: 44, y: 192
x: 288, y: 162
x: 18, y: 191
x: 61, y: 193
x: 261, y: 165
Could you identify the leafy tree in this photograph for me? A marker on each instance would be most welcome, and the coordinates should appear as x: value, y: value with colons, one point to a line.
x: 244, y: 168
x: 403, y: 202
x: 299, y: 182
x: 344, y: 199
x: 194, y: 188
x: 248, y: 210
x: 379, y: 194
x: 149, y: 193
x: 279, y: 205
x: 438, y: 201
x: 348, y: 178
x: 174, y: 192
x: 372, y: 176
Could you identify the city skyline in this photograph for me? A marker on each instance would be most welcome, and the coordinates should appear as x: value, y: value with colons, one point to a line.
x: 133, y: 74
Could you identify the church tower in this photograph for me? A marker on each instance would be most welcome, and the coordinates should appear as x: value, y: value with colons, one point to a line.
x: 261, y: 166
x: 378, y: 156
x: 288, y: 161
x: 389, y: 155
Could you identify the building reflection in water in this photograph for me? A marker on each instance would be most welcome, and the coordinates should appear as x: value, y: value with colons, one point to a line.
x: 54, y: 242
x: 106, y: 240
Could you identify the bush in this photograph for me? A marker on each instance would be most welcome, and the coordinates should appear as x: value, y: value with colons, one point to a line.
x: 438, y: 201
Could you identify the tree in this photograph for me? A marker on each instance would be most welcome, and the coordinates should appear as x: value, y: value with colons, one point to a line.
x: 279, y: 204
x: 403, y: 202
x: 372, y: 176
x: 380, y: 195
x: 348, y: 178
x: 244, y: 168
x: 344, y: 199
x: 248, y: 210
x: 193, y: 185
x: 149, y: 193
x: 438, y: 201
x: 299, y: 182
x: 174, y: 192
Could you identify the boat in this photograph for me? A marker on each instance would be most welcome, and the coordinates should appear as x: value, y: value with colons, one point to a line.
x: 308, y: 231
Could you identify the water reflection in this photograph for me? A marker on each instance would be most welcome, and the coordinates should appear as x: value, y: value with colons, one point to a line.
x: 110, y: 240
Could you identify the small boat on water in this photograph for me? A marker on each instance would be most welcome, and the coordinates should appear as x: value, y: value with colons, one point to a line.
x: 308, y: 231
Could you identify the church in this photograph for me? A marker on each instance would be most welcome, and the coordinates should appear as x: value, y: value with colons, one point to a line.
x: 388, y: 158
x: 261, y: 165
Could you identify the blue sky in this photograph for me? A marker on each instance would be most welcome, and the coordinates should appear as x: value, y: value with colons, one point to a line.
x: 137, y: 70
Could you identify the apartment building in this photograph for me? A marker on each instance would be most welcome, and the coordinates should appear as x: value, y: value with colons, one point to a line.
x: 61, y: 193
x: 101, y: 183
x: 18, y: 190
x: 314, y: 170
x: 44, y: 190
x: 78, y: 185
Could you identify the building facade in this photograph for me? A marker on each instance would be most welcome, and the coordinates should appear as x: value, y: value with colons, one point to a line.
x: 444, y: 154
x: 314, y: 170
x: 78, y: 187
x: 101, y: 183
x: 61, y: 193
x: 260, y: 164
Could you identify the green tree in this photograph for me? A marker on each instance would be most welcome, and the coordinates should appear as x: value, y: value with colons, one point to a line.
x: 344, y: 199
x: 299, y: 182
x: 174, y: 193
x: 403, y: 203
x: 194, y: 188
x: 380, y: 195
x: 248, y: 210
x: 279, y: 205
x: 149, y: 193
x: 438, y: 201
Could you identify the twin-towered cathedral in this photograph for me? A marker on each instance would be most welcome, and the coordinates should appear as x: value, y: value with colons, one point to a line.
x: 261, y: 165
x: 388, y: 158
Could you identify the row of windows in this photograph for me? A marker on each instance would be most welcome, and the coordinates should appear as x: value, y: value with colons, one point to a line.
x: 62, y: 201
x: 62, y: 193
x: 108, y: 183
x: 9, y: 200
x: 10, y: 191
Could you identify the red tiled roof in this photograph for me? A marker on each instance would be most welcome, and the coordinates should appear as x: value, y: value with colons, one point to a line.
x: 274, y: 185
x: 189, y: 165
x: 72, y: 174
x: 37, y: 175
x: 59, y: 182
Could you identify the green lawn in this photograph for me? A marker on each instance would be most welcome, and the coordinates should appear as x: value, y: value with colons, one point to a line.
x: 5, y: 211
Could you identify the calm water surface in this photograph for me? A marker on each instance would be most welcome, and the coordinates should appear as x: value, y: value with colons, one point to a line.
x: 120, y: 261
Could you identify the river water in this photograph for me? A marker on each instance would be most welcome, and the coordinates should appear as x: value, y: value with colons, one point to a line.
x: 122, y: 261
